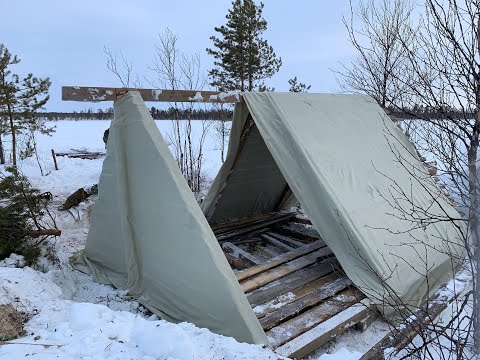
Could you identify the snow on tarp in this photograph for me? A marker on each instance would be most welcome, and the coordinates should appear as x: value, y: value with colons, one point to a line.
x: 338, y: 154
x: 148, y: 234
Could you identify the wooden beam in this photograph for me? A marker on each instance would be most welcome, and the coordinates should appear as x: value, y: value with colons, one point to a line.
x: 96, y: 94
x: 282, y: 259
x: 238, y: 252
x: 287, y: 240
x: 277, y: 243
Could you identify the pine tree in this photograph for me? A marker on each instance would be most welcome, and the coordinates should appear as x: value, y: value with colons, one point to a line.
x: 296, y: 86
x: 19, y: 102
x: 243, y: 59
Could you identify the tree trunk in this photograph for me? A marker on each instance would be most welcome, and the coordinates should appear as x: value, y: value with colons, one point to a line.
x: 474, y: 224
x: 12, y: 129
x: 2, y: 151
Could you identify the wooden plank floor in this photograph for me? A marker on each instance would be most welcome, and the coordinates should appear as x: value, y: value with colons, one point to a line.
x: 299, y: 292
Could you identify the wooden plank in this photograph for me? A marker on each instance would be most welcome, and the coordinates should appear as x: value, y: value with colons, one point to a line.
x: 96, y: 94
x: 241, y: 276
x: 324, y: 332
x: 292, y: 295
x: 284, y: 198
x: 307, y: 302
x: 233, y: 224
x: 287, y: 240
x: 266, y: 251
x: 299, y: 231
x: 364, y: 324
x: 302, y: 220
x: 308, y: 320
x: 292, y: 282
x: 226, y: 235
x: 277, y: 243
x: 285, y: 269
x: 238, y: 252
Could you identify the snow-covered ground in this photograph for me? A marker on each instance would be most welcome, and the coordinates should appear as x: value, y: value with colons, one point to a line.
x: 76, y: 318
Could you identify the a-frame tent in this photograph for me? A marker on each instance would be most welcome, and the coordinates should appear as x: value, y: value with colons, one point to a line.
x: 149, y: 235
x: 344, y: 160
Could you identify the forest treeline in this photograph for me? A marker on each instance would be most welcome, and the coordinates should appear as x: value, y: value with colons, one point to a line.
x: 209, y: 114
x: 158, y: 114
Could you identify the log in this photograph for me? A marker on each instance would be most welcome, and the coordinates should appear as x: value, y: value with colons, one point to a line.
x: 96, y: 94
x: 54, y: 159
x: 33, y: 233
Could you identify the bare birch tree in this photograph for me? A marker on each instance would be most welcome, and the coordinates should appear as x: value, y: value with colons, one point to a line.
x: 175, y: 70
x: 376, y: 30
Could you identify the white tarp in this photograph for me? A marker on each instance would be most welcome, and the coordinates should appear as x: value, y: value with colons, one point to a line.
x: 148, y: 234
x: 340, y: 156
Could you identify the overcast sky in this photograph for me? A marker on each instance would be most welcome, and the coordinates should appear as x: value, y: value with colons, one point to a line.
x: 64, y: 40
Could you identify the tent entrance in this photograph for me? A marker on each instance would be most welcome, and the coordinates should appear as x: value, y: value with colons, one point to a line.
x: 295, y: 285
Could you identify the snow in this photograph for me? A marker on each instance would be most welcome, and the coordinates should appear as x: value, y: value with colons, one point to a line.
x: 198, y: 97
x: 65, y: 329
x: 156, y: 94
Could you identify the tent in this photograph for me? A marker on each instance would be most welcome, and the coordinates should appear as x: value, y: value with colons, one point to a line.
x: 149, y: 235
x: 347, y: 163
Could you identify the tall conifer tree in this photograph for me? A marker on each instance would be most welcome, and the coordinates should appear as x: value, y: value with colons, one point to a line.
x: 243, y: 59
x: 19, y: 102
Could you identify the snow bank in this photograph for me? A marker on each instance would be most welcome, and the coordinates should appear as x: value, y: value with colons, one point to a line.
x: 83, y: 330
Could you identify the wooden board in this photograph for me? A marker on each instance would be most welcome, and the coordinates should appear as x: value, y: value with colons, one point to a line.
x: 285, y: 269
x: 306, y: 321
x: 291, y: 282
x: 277, y: 243
x: 96, y: 94
x: 285, y: 239
x: 258, y: 225
x: 296, y: 307
x: 292, y: 295
x: 238, y: 252
x: 282, y: 259
x: 309, y: 341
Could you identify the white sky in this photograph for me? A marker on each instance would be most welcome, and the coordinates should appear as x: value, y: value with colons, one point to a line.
x: 64, y: 39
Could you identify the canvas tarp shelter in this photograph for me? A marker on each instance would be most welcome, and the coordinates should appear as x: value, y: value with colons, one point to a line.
x: 339, y: 154
x: 149, y: 235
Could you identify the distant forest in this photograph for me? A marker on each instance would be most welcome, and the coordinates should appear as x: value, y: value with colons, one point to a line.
x: 157, y: 114
x: 214, y: 114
